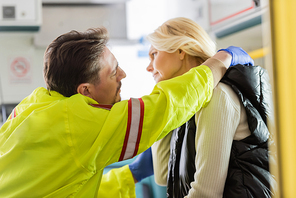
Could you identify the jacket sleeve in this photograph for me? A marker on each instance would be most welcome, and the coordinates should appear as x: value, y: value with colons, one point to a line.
x: 117, y: 182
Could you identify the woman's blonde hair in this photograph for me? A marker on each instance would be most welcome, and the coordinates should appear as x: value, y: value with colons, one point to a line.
x: 185, y: 34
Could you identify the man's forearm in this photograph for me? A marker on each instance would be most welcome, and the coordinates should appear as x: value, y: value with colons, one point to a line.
x: 218, y: 65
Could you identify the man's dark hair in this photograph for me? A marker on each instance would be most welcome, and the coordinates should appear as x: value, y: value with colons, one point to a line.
x: 74, y: 58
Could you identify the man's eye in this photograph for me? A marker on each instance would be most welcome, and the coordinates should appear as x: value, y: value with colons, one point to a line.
x: 115, y: 72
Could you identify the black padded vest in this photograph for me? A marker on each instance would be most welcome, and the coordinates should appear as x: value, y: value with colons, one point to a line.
x: 248, y: 172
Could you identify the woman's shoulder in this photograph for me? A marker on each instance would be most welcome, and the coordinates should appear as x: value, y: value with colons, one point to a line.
x: 224, y: 91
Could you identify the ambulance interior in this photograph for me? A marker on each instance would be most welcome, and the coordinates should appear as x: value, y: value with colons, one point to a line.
x: 27, y: 27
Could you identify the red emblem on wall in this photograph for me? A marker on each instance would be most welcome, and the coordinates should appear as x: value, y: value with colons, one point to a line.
x: 20, y: 67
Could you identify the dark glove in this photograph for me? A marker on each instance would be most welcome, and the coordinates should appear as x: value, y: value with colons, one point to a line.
x: 142, y: 167
x: 239, y: 56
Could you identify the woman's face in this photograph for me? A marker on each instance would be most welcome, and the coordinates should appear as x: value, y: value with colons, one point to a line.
x: 165, y: 65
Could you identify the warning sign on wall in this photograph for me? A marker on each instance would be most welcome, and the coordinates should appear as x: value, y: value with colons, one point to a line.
x: 20, y: 70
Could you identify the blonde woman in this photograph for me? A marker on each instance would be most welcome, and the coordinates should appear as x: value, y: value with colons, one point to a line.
x: 222, y: 151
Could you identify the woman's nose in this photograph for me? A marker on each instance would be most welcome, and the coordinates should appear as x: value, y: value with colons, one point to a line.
x: 149, y: 68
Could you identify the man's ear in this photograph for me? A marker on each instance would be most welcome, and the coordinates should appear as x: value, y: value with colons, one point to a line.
x: 182, y: 54
x: 83, y: 89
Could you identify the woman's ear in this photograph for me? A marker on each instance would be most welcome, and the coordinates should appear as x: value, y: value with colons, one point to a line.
x: 83, y: 89
x: 182, y: 54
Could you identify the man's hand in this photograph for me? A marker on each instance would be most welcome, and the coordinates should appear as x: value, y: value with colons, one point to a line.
x: 142, y: 167
x: 239, y: 56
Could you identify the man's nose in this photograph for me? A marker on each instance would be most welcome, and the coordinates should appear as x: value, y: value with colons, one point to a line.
x: 122, y: 73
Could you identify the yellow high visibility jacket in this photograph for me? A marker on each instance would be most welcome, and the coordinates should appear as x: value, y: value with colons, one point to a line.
x: 56, y: 146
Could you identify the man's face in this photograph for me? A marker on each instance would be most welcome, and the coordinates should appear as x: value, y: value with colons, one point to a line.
x: 107, y: 91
